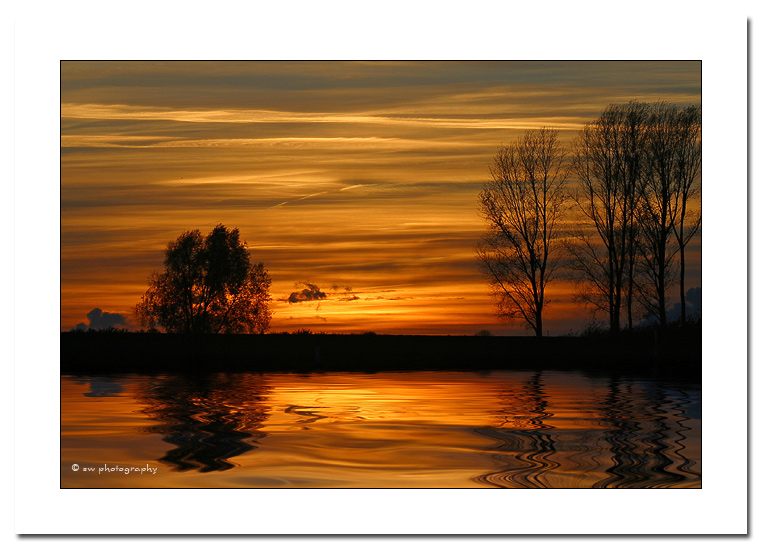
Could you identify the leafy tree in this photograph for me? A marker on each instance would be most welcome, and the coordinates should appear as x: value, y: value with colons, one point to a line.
x: 208, y: 286
x: 522, y: 205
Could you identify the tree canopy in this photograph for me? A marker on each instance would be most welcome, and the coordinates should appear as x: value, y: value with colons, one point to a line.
x: 209, y: 286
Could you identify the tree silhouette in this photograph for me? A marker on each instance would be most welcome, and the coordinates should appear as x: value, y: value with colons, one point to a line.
x: 522, y: 205
x: 687, y: 222
x: 673, y: 162
x: 209, y: 285
x: 658, y: 208
x: 637, y: 164
x: 608, y: 160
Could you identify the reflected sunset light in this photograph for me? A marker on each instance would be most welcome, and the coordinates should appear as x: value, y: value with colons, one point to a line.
x: 514, y: 429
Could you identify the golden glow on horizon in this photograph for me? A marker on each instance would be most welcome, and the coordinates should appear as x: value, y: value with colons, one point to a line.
x: 367, y: 181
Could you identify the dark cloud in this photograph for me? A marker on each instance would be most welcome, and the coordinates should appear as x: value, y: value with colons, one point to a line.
x: 693, y: 296
x: 692, y: 305
x: 310, y: 293
x: 103, y: 388
x: 345, y: 293
x: 351, y: 86
x: 100, y: 320
x: 100, y: 386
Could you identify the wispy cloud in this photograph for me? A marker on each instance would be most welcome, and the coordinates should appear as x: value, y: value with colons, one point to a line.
x: 130, y: 112
x: 362, y: 174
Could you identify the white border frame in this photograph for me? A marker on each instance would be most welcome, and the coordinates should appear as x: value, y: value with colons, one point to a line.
x: 392, y: 30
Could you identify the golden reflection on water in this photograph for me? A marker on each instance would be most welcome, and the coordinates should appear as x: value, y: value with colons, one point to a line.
x: 383, y: 430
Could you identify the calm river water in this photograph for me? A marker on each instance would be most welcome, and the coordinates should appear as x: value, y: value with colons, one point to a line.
x: 507, y: 429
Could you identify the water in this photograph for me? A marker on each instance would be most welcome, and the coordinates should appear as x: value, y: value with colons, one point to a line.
x: 382, y: 430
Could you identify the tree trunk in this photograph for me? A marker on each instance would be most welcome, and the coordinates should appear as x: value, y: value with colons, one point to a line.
x: 682, y: 285
x: 661, y: 294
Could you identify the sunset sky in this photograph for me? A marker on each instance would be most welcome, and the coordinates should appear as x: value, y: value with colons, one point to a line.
x: 359, y: 178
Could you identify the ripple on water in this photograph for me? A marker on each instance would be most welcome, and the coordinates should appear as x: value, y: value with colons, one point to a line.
x: 502, y: 429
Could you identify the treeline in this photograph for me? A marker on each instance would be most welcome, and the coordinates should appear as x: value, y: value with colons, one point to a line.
x: 627, y: 189
x: 640, y: 353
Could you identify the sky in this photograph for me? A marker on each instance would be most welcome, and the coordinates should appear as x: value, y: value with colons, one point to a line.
x: 356, y: 181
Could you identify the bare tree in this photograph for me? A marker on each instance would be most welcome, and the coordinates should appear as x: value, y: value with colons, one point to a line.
x: 673, y: 160
x: 522, y: 205
x: 608, y: 160
x: 658, y: 208
x: 687, y: 222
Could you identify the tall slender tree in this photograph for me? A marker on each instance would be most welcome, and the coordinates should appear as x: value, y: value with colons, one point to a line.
x: 687, y: 221
x: 608, y: 160
x: 673, y: 160
x: 522, y: 205
x: 658, y: 208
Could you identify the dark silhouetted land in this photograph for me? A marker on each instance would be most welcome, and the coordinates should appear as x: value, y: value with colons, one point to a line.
x: 676, y: 354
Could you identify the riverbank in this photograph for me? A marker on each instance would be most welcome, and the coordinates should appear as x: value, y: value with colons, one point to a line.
x: 644, y: 353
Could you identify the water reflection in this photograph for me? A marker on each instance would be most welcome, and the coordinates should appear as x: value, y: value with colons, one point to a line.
x: 101, y: 387
x: 209, y: 419
x: 307, y: 414
x: 500, y: 429
x: 631, y: 435
x: 644, y: 435
x: 526, y: 444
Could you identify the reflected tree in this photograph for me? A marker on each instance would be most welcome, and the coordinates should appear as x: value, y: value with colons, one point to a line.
x: 642, y: 434
x: 527, y: 450
x: 208, y: 420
